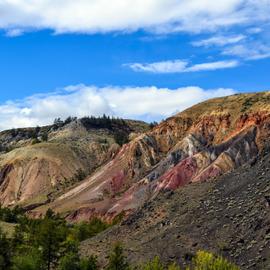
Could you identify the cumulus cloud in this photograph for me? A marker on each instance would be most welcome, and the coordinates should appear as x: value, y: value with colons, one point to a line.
x: 219, y: 41
x: 145, y: 103
x: 181, y: 66
x: 92, y: 16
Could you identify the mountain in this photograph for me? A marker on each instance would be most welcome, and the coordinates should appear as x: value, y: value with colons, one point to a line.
x: 198, y: 180
x: 81, y: 172
x: 203, y: 142
x: 37, y: 164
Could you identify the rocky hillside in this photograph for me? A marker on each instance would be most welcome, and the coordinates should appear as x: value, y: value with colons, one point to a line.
x: 38, y: 164
x: 229, y: 215
x: 203, y: 142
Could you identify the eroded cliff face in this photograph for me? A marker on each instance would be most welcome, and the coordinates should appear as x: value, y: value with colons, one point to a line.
x: 35, y: 174
x: 200, y: 143
x: 30, y: 174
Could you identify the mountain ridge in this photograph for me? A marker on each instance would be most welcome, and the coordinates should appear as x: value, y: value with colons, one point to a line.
x: 202, y: 142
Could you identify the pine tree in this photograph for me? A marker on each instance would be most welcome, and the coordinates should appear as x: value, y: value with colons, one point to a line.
x: 89, y: 263
x: 52, y: 233
x: 117, y: 260
x: 5, y: 251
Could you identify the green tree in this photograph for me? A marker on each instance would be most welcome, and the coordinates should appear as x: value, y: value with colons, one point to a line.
x: 154, y: 264
x: 52, y: 232
x: 117, y: 260
x: 69, y: 262
x: 174, y: 266
x: 32, y: 260
x: 120, y: 137
x: 5, y: 251
x: 89, y: 263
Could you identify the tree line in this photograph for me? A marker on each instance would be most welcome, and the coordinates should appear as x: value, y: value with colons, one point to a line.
x: 46, y: 243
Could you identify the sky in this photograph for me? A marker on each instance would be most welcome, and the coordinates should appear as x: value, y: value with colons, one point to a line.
x: 139, y: 59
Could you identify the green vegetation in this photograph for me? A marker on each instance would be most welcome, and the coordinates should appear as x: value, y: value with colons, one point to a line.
x: 202, y: 261
x: 11, y: 215
x: 208, y: 261
x: 45, y: 243
x: 51, y: 243
x: 103, y: 122
x: 85, y: 230
x: 121, y: 137
x: 153, y: 124
x: 117, y: 259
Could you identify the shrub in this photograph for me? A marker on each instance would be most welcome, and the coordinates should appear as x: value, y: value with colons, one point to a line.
x: 11, y: 215
x: 35, y: 141
x: 208, y: 261
x: 87, y: 230
x: 121, y: 137
x: 174, y: 266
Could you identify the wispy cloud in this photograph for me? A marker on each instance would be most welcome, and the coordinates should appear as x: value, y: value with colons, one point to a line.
x: 14, y: 32
x: 84, y: 16
x: 146, y: 103
x: 213, y: 66
x: 251, y: 51
x: 219, y: 41
x: 181, y: 66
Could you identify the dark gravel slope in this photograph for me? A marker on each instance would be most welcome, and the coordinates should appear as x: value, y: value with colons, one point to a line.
x: 228, y: 216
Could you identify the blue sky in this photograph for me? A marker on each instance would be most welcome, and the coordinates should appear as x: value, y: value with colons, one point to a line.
x: 135, y: 63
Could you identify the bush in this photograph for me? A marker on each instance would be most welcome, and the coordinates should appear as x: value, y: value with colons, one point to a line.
x: 208, y: 261
x: 35, y: 141
x: 202, y: 261
x: 121, y: 137
x: 44, y: 136
x: 11, y: 215
x: 87, y: 230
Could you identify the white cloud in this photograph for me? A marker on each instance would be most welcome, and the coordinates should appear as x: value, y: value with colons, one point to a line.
x: 148, y: 103
x: 219, y: 41
x: 160, y: 67
x: 91, y: 16
x: 213, y: 66
x: 181, y: 66
x: 251, y: 51
x: 254, y: 30
x: 14, y: 32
